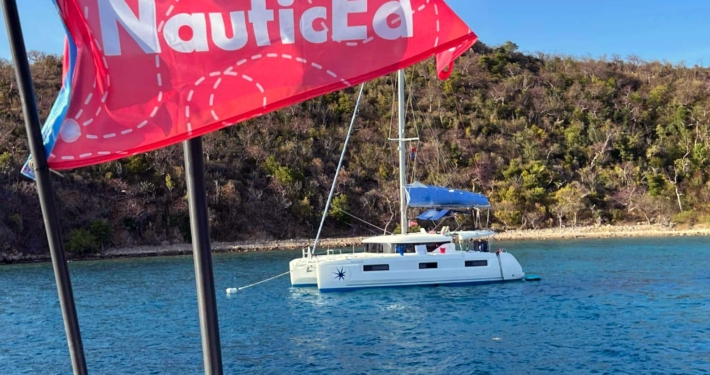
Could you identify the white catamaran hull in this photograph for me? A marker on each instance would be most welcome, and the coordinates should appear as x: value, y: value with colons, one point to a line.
x: 303, y: 272
x: 353, y: 271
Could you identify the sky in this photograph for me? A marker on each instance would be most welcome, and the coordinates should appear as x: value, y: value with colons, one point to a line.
x: 672, y: 30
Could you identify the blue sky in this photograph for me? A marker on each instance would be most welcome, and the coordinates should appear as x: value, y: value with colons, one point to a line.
x: 674, y: 30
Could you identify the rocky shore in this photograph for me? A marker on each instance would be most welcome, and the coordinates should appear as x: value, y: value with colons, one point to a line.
x: 605, y: 231
x: 332, y: 243
x: 185, y: 249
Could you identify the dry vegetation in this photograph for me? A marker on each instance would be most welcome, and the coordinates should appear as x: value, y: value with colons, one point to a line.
x: 552, y: 140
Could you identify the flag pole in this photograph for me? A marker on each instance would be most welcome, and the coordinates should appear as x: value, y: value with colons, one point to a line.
x: 202, y: 253
x: 44, y: 187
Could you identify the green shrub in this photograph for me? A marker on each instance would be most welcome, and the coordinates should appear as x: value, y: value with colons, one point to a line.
x: 338, y: 207
x: 101, y: 231
x: 283, y: 174
x: 302, y: 209
x: 169, y: 182
x: 618, y: 216
x: 182, y: 222
x: 397, y: 229
x: 130, y: 223
x: 271, y: 165
x: 81, y: 242
x: 287, y: 176
x: 656, y: 184
x: 16, y: 223
x: 497, y: 227
x: 414, y: 229
x: 6, y: 162
x: 687, y: 217
x: 137, y: 165
x: 384, y: 172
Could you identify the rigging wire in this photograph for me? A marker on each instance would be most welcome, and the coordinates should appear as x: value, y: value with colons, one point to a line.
x: 416, y: 127
x: 364, y: 221
x: 330, y: 196
x: 393, y: 109
x: 337, y: 171
x: 437, y: 177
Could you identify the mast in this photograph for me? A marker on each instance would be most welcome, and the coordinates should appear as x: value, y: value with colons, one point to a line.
x: 402, y: 161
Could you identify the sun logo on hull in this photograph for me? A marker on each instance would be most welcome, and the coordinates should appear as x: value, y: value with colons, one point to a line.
x: 339, y: 274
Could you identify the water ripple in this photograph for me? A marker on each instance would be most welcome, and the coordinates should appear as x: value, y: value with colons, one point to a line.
x: 603, y: 307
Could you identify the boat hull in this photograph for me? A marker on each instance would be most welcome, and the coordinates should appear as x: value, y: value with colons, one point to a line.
x: 303, y: 272
x: 422, y: 285
x: 417, y: 270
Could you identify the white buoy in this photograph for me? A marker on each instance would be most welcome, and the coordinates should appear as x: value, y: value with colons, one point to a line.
x: 232, y: 290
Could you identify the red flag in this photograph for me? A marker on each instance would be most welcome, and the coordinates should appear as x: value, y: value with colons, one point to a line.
x: 151, y: 73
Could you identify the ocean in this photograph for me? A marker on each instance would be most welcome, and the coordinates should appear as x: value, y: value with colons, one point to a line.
x: 613, y: 306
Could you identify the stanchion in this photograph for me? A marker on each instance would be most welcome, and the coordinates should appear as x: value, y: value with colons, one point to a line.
x: 44, y: 187
x: 202, y: 252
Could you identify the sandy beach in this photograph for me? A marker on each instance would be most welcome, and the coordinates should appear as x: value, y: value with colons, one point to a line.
x: 628, y: 231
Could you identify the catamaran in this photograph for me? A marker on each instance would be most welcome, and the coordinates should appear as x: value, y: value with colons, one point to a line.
x: 410, y: 259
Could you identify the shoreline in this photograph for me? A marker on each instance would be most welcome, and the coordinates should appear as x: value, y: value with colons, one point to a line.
x: 601, y: 232
x: 586, y: 232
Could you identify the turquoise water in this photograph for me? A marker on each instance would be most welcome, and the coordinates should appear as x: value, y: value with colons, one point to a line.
x: 636, y: 306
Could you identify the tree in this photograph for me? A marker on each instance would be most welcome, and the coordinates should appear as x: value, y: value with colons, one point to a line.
x: 339, y: 208
x: 535, y: 215
x: 81, y: 242
x: 578, y: 141
x: 570, y: 201
x: 101, y: 231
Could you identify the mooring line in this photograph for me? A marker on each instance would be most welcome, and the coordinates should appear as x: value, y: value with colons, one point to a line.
x: 235, y: 290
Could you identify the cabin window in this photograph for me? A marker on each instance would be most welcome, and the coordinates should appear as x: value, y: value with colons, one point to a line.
x: 405, y: 248
x: 433, y: 246
x: 374, y: 248
x: 376, y: 267
x: 426, y: 266
x: 476, y: 263
x: 480, y: 245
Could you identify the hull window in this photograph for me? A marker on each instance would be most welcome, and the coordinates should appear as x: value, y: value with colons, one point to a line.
x: 476, y: 263
x: 426, y: 266
x: 376, y: 267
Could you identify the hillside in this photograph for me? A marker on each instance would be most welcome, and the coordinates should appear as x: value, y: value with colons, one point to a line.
x: 552, y: 140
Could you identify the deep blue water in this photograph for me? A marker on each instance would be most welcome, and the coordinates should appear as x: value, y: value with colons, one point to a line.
x: 631, y: 306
